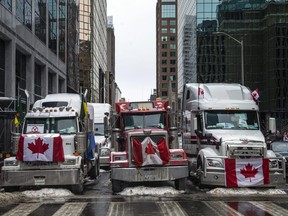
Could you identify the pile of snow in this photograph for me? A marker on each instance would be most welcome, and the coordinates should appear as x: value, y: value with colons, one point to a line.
x: 245, y: 191
x: 149, y: 191
x: 9, y: 198
x: 47, y: 193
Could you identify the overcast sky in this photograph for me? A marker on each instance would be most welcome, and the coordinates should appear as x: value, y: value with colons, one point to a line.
x: 134, y: 24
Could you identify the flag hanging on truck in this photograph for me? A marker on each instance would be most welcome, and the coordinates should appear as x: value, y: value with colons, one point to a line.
x: 19, y: 116
x: 246, y: 172
x: 35, y: 148
x: 148, y: 152
x: 84, y: 109
x: 255, y: 94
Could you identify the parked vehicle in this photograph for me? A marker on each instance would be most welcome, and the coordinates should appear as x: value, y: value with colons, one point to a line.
x: 280, y: 148
x: 146, y: 146
x: 102, y: 139
x: 220, y: 121
x: 53, y: 148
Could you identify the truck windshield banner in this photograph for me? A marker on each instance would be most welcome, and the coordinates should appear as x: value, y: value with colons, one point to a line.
x: 36, y: 148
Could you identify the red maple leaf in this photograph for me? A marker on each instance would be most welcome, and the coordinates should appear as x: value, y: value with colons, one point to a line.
x: 150, y: 149
x: 249, y: 172
x: 38, y: 147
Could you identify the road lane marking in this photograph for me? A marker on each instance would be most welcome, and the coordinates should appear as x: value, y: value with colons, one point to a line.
x: 23, y: 209
x: 171, y: 208
x: 221, y: 208
x: 118, y: 208
x: 71, y: 209
x: 270, y: 207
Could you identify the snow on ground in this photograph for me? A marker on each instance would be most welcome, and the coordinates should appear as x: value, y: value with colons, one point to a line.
x: 155, y: 191
x: 47, y: 193
x: 245, y: 191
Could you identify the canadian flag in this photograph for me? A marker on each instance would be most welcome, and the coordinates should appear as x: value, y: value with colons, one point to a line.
x: 255, y: 94
x: 247, y: 172
x: 150, y: 153
x: 40, y: 148
x: 200, y: 92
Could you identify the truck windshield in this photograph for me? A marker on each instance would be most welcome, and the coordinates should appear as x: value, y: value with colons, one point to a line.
x: 50, y: 125
x: 135, y: 121
x: 231, y: 119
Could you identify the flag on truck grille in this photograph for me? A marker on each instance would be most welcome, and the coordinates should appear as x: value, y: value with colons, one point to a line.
x: 148, y: 152
x: 246, y: 172
x: 44, y: 148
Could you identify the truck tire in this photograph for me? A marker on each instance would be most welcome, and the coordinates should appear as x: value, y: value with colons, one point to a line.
x: 180, y: 184
x: 77, y: 189
x: 117, y: 186
x: 94, y: 172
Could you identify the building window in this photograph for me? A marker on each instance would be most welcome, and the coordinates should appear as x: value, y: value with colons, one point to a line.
x: 164, y: 38
x: 173, y: 85
x: 172, y: 22
x: 172, y: 54
x: 164, y: 54
x: 168, y: 0
x: 172, y: 77
x: 164, y: 93
x: 172, y: 38
x: 172, y: 46
x: 165, y: 85
x: 37, y: 81
x: 172, y: 69
x: 164, y: 31
x: 52, y: 13
x: 7, y: 4
x: 24, y: 12
x: 51, y: 82
x: 168, y: 11
x: 172, y: 30
x: 164, y: 70
x: 20, y: 73
x: 40, y: 20
x: 164, y: 77
x: 2, y: 68
x: 164, y: 46
x: 164, y: 62
x: 164, y: 22
x: 172, y: 62
x: 62, y: 20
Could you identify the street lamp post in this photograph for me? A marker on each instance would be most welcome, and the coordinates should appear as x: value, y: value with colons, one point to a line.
x: 242, y: 53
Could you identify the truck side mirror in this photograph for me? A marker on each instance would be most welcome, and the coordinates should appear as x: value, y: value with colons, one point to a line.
x: 272, y: 125
x: 208, y: 137
x: 106, y: 126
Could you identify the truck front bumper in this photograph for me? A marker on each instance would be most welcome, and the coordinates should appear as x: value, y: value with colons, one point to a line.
x: 143, y: 174
x: 40, y: 177
x: 218, y: 179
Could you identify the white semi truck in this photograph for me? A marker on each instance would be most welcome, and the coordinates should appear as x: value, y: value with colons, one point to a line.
x: 56, y: 146
x: 102, y: 137
x: 221, y: 121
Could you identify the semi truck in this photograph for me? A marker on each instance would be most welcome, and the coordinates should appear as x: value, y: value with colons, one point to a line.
x: 56, y: 146
x: 146, y: 145
x: 102, y: 138
x: 220, y: 122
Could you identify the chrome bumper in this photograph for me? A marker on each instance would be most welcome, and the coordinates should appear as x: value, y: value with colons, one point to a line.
x: 143, y: 174
x: 40, y: 177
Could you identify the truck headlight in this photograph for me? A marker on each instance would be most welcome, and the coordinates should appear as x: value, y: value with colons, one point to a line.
x: 105, y: 152
x: 10, y: 163
x: 69, y: 161
x: 273, y: 164
x: 214, y: 163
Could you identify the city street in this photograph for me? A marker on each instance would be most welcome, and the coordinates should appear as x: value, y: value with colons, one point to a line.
x: 99, y: 200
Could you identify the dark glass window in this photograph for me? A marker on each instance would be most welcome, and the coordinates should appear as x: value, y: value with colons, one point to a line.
x: 2, y: 68
x: 52, y: 13
x: 24, y: 12
x: 62, y: 18
x: 37, y: 81
x: 168, y: 11
x: 7, y: 4
x: 20, y: 74
x: 40, y: 20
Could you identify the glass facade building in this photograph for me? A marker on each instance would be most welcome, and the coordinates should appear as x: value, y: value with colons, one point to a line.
x: 223, y: 29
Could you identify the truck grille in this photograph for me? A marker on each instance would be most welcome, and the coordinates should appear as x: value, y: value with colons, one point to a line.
x: 39, y: 165
x: 246, y: 152
x: 155, y: 138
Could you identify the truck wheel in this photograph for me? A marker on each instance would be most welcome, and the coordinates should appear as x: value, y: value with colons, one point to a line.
x: 77, y: 189
x: 117, y: 186
x: 94, y: 172
x: 180, y: 184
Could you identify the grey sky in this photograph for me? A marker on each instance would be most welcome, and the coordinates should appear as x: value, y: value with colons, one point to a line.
x: 135, y: 34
